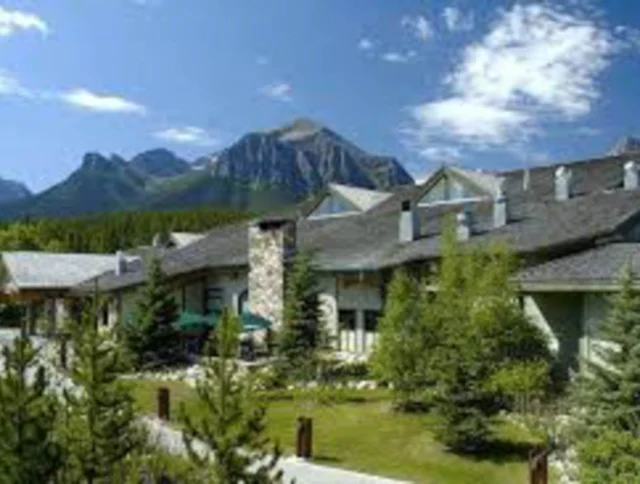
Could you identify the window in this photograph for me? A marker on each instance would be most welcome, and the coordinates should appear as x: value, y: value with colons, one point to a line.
x: 371, y: 319
x: 332, y: 205
x: 347, y: 320
x: 448, y: 189
x: 214, y: 300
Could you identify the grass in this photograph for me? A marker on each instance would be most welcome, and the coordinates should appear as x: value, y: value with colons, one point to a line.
x: 364, y: 434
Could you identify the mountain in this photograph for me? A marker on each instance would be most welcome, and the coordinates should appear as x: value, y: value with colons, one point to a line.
x: 11, y: 191
x: 261, y: 171
x: 628, y: 144
x: 159, y: 163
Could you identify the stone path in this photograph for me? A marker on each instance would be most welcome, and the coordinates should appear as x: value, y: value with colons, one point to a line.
x: 170, y: 439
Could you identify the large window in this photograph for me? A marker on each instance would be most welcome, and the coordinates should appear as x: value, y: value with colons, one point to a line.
x: 347, y: 320
x: 332, y: 205
x: 448, y: 189
x: 371, y: 319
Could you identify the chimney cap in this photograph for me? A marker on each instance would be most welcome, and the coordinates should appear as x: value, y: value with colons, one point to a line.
x: 271, y: 223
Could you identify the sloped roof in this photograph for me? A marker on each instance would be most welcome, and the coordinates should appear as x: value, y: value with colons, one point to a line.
x: 601, y: 266
x: 367, y: 241
x: 43, y: 270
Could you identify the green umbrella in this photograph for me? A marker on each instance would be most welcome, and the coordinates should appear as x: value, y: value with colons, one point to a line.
x: 189, y: 321
x: 253, y: 322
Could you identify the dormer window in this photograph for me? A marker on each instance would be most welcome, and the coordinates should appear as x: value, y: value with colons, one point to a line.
x: 448, y: 189
x: 333, y: 205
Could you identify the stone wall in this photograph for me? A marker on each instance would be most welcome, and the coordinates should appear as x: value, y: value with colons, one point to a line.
x: 271, y: 244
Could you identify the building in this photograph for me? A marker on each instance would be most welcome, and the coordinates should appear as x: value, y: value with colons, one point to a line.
x: 574, y: 226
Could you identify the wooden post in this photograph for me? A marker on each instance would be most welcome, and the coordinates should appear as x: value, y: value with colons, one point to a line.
x: 539, y: 466
x: 164, y: 403
x: 304, y: 438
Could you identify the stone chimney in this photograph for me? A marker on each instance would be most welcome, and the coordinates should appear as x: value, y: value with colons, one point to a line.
x: 272, y: 244
x: 463, y: 226
x: 500, y: 214
x: 563, y: 183
x: 630, y: 175
x: 121, y: 263
x: 409, y: 227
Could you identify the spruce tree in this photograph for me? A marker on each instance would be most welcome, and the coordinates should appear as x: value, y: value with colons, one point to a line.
x: 303, y: 334
x: 99, y: 430
x: 609, y: 394
x: 28, y: 451
x: 232, y: 424
x: 399, y: 351
x: 151, y: 337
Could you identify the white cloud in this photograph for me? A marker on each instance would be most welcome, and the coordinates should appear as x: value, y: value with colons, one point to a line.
x: 262, y: 60
x: 191, y: 135
x: 365, y: 44
x: 10, y: 86
x: 278, y: 91
x: 12, y: 21
x: 536, y: 64
x: 456, y: 21
x: 398, y: 57
x: 91, y: 101
x: 418, y: 25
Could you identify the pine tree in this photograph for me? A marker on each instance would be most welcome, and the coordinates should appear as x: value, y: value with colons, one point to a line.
x: 28, y: 452
x: 398, y: 355
x: 151, y: 338
x: 303, y: 333
x: 99, y: 431
x: 609, y: 394
x: 232, y: 425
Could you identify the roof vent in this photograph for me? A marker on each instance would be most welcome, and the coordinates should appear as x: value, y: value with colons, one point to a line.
x: 463, y: 226
x: 500, y: 216
x: 409, y: 226
x: 563, y: 183
x: 630, y: 175
x: 121, y: 263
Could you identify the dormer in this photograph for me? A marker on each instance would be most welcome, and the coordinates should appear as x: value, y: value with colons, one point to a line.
x: 456, y: 185
x: 342, y: 200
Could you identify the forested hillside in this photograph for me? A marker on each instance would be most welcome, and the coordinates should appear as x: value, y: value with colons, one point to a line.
x: 107, y: 233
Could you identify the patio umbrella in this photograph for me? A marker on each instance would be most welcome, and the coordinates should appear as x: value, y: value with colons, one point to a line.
x: 189, y: 321
x: 253, y: 322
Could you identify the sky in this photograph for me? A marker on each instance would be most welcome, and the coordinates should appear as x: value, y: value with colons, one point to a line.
x: 481, y: 83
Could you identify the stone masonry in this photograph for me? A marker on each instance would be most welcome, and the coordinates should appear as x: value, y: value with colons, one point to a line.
x: 271, y: 245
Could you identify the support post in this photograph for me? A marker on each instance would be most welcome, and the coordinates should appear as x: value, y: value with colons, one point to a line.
x: 164, y: 403
x: 539, y: 466
x: 304, y: 438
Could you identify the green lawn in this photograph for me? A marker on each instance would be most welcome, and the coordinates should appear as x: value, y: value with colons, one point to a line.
x: 365, y: 435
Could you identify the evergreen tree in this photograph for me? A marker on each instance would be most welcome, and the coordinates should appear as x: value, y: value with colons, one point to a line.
x: 609, y: 394
x: 99, y: 431
x: 232, y: 425
x: 28, y: 452
x: 398, y: 355
x: 152, y: 338
x: 303, y: 334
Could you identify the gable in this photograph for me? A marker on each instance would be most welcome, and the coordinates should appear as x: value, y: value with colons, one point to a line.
x: 333, y: 204
x: 449, y: 188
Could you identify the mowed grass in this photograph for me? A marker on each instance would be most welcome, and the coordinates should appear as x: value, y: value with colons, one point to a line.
x: 363, y: 433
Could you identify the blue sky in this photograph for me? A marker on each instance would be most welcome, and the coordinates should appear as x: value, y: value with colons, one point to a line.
x: 483, y: 83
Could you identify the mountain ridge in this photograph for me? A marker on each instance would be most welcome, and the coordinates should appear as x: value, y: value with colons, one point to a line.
x: 262, y: 170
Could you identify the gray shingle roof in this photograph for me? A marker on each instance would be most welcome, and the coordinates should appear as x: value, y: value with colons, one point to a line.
x: 366, y: 241
x: 42, y: 270
x: 600, y: 266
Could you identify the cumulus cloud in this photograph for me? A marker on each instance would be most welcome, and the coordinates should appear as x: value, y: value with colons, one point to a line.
x: 365, y: 44
x: 398, y: 57
x: 85, y: 99
x: 278, y: 91
x: 12, y: 21
x: 419, y: 26
x: 536, y: 64
x: 189, y: 135
x: 456, y: 20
